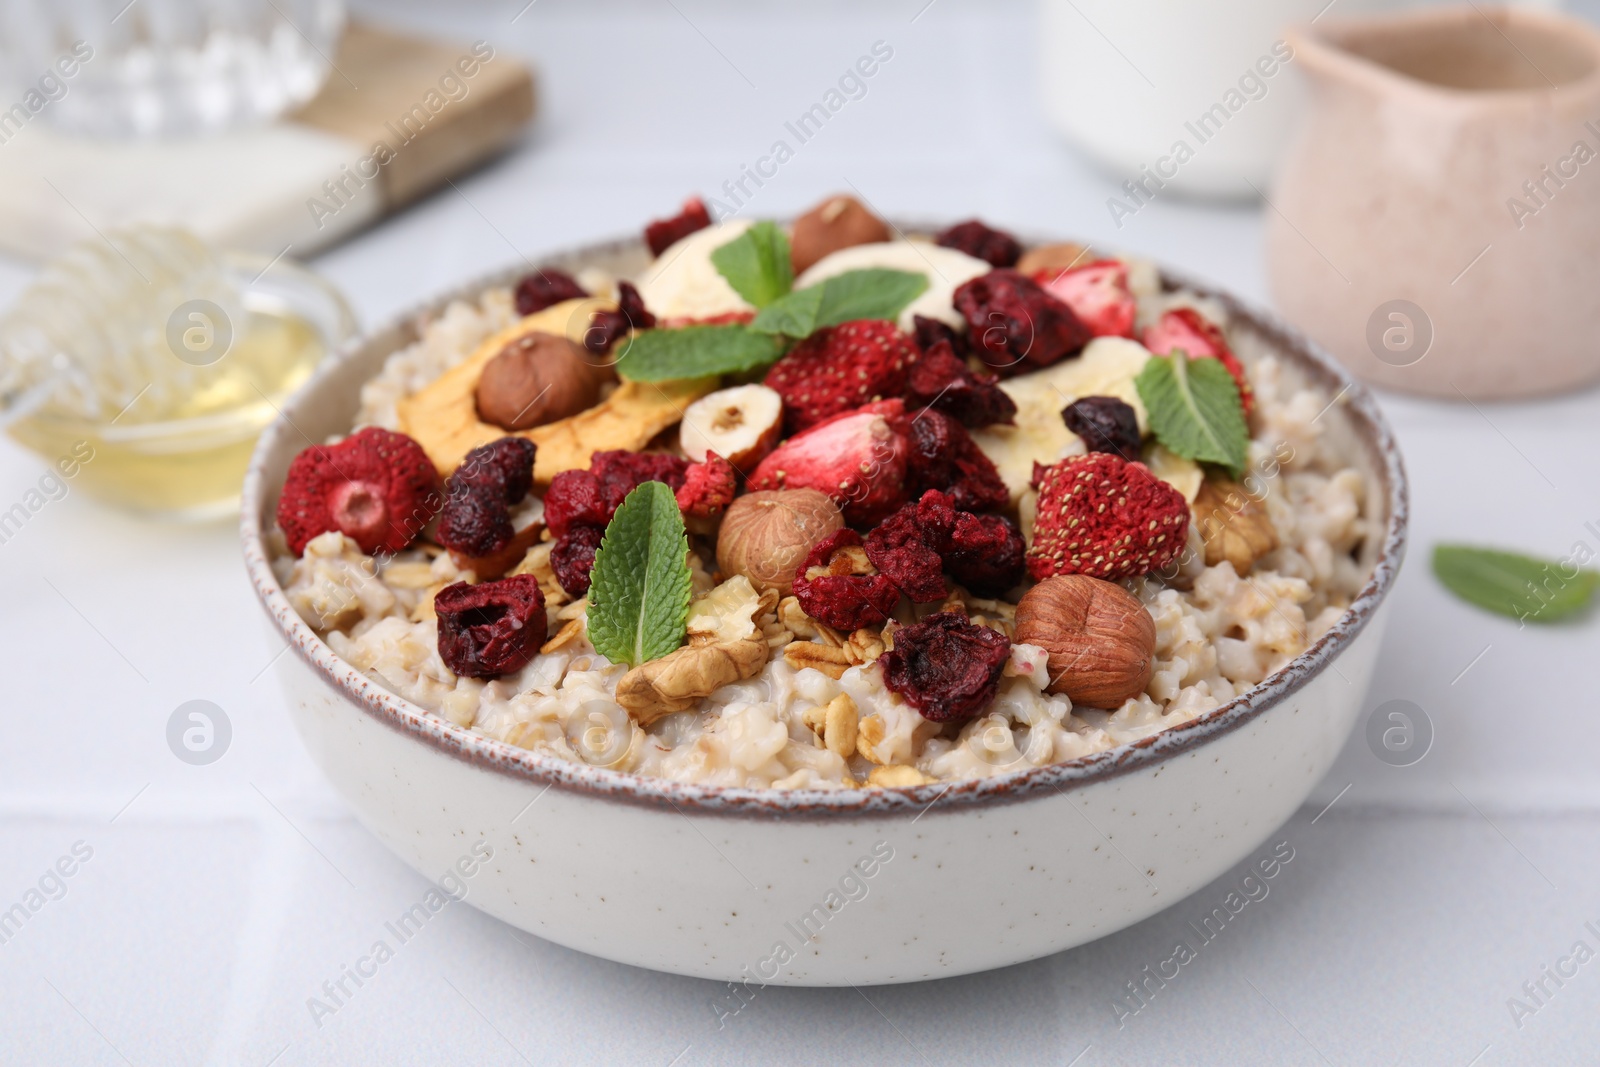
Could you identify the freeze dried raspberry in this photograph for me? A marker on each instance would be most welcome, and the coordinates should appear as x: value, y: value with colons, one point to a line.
x: 377, y: 487
x: 929, y: 332
x: 1106, y: 424
x: 575, y: 498
x: 591, y: 497
x: 836, y: 585
x: 708, y: 488
x: 1187, y: 329
x: 838, y: 369
x: 906, y: 546
x: 995, y: 247
x: 945, y: 666
x: 662, y: 234
x: 1102, y: 516
x: 605, y: 327
x: 572, y: 557
x: 546, y: 288
x: 1014, y: 325
x: 944, y: 456
x: 944, y: 382
x: 491, y: 628
x: 986, y: 555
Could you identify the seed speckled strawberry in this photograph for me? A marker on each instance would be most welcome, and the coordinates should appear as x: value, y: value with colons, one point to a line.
x: 839, y: 368
x: 1102, y: 516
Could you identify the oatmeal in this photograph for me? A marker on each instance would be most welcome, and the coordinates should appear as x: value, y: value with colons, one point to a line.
x: 993, y: 519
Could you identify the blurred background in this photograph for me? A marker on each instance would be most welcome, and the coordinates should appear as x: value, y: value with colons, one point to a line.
x: 262, y: 179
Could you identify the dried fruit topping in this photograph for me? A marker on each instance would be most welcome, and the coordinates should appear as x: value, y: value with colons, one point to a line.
x: 572, y: 557
x: 476, y: 519
x: 1187, y: 329
x: 1100, y: 638
x: 662, y: 234
x: 930, y: 332
x: 621, y: 471
x: 858, y: 458
x: 377, y: 487
x: 591, y: 497
x: 490, y: 628
x: 536, y: 379
x: 1106, y: 424
x: 986, y: 554
x: 943, y: 381
x: 708, y: 488
x: 546, y: 288
x: 905, y: 547
x: 605, y: 327
x: 1097, y: 293
x: 1105, y: 517
x: 838, y: 369
x: 506, y: 466
x: 945, y: 666
x: 944, y: 456
x: 742, y: 423
x: 1014, y: 325
x: 1052, y: 257
x: 474, y: 524
x: 838, y: 222
x: 838, y: 585
x: 766, y: 536
x: 995, y: 247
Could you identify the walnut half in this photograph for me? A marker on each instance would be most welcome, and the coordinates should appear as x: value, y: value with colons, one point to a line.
x: 681, y: 679
x: 1233, y: 524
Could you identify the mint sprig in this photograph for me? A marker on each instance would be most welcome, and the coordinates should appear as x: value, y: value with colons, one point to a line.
x: 1509, y: 583
x: 874, y: 293
x: 639, y: 588
x: 756, y: 264
x: 695, y: 352
x: 1195, y: 410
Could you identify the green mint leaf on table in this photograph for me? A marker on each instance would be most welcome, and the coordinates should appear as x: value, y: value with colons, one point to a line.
x: 639, y: 588
x: 1195, y: 410
x: 756, y: 264
x: 695, y: 352
x: 1508, y: 583
x: 857, y: 294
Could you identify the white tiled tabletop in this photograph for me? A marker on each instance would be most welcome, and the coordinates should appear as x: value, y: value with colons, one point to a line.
x: 218, y: 899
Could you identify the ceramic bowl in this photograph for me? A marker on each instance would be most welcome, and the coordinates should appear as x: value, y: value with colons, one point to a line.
x: 812, y: 887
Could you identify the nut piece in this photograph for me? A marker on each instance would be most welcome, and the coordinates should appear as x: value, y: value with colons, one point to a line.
x: 1100, y: 638
x: 767, y: 535
x: 898, y: 776
x: 1053, y: 257
x: 741, y: 425
x: 681, y: 679
x: 538, y: 378
x: 835, y: 722
x: 828, y: 659
x: 1234, y: 525
x: 838, y: 222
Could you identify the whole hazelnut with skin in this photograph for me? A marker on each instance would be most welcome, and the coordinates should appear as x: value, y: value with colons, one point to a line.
x: 1100, y: 638
x: 1053, y: 257
x: 767, y: 535
x: 537, y: 379
x: 838, y: 222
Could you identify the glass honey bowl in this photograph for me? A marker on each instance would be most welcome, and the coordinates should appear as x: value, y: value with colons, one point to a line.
x: 149, y: 364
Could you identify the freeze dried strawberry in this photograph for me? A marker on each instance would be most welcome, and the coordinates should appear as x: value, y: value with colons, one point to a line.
x: 377, y: 487
x: 591, y: 497
x: 838, y: 585
x: 572, y: 557
x: 1102, y: 516
x: 1187, y: 329
x: 986, y: 554
x: 708, y: 488
x: 490, y: 628
x: 546, y: 288
x: 945, y: 666
x: 839, y: 368
x: 995, y: 247
x: 929, y: 332
x: 1014, y: 325
x: 1097, y: 293
x: 942, y: 381
x: 944, y: 456
x: 905, y: 547
x: 721, y: 319
x: 858, y: 458
x: 662, y: 234
x: 1105, y: 423
x: 605, y: 327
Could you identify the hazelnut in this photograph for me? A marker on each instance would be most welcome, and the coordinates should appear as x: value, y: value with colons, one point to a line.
x: 766, y: 536
x: 838, y: 222
x: 1053, y: 257
x: 741, y: 424
x: 538, y: 378
x: 1100, y: 638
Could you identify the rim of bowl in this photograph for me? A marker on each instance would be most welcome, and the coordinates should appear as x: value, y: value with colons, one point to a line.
x: 500, y: 757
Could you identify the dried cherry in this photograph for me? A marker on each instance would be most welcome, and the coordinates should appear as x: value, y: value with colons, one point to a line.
x: 491, y: 628
x: 945, y: 666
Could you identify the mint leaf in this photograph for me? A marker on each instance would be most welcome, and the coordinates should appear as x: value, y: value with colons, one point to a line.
x: 695, y: 352
x: 756, y: 264
x: 1522, y: 587
x: 875, y: 293
x: 1195, y: 410
x: 639, y: 588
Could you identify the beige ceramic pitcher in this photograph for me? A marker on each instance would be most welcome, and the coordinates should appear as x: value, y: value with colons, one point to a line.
x: 1437, y: 224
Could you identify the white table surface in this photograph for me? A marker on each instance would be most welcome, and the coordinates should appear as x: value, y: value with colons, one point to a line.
x: 211, y: 908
